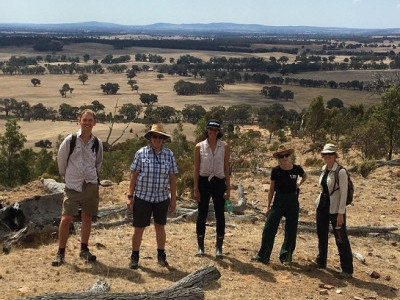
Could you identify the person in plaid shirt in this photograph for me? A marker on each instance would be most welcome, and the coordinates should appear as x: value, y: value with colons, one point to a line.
x: 152, y: 180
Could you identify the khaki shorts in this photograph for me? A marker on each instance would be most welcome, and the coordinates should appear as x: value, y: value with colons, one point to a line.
x: 88, y: 200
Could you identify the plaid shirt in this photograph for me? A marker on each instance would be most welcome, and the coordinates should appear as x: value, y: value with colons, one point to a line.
x: 154, y: 170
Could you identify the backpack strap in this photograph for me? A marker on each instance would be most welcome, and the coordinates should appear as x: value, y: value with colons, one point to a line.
x: 72, y: 145
x: 336, y: 184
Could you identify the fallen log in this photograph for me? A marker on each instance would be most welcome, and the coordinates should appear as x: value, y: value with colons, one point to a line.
x: 393, y: 162
x: 359, y: 230
x: 189, y: 287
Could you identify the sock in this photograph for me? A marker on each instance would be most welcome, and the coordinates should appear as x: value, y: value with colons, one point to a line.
x: 135, y: 253
x: 61, y: 251
x: 160, y: 251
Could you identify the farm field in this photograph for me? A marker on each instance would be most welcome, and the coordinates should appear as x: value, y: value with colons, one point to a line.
x: 26, y: 271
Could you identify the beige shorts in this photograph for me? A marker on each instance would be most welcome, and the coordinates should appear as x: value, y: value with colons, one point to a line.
x: 87, y: 200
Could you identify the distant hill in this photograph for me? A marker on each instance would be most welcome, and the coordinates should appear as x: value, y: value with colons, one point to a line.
x: 186, y: 29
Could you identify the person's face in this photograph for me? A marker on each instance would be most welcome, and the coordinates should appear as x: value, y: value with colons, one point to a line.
x: 212, y: 131
x: 329, y: 157
x: 156, y: 140
x: 284, y: 157
x: 87, y: 122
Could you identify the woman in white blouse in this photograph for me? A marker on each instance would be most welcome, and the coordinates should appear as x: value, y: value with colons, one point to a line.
x: 211, y: 179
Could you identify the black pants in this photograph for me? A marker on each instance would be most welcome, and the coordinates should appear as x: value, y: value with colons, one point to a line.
x: 341, y: 238
x: 215, y: 189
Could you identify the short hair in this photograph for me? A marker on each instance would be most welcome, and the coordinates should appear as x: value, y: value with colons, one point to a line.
x: 87, y: 111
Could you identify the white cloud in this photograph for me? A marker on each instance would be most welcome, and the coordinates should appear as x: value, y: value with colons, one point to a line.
x: 398, y: 5
x: 355, y: 1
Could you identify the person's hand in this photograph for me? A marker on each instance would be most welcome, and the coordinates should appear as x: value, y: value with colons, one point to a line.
x: 172, y: 206
x: 196, y: 195
x: 267, y: 211
x: 340, y: 220
x: 227, y: 195
x: 129, y: 202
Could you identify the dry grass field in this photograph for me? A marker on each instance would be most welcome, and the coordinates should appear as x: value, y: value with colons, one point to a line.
x: 26, y: 271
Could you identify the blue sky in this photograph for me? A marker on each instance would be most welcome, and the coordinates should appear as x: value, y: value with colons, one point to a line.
x: 323, y: 13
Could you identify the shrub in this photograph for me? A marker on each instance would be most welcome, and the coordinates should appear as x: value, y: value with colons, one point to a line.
x: 366, y: 167
x: 313, y: 162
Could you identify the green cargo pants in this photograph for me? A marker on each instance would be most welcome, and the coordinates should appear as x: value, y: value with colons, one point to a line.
x: 284, y: 205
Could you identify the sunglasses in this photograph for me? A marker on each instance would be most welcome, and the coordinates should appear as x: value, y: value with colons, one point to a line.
x: 327, y: 154
x: 156, y: 136
x: 283, y: 155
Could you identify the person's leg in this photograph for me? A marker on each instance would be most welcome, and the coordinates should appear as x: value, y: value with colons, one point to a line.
x: 269, y: 232
x: 292, y: 217
x: 218, y: 190
x: 86, y: 228
x: 141, y: 219
x: 63, y: 231
x: 343, y: 245
x: 137, y: 238
x: 202, y: 213
x: 161, y: 236
x: 322, y: 220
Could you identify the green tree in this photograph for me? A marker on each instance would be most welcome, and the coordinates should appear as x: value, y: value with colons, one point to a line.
x: 110, y: 88
x: 130, y: 111
x: 83, y: 77
x: 148, y: 99
x: 35, y: 81
x: 68, y: 112
x: 11, y: 144
x: 389, y: 114
x: 315, y: 117
x: 160, y: 76
x: 192, y: 113
x: 65, y: 88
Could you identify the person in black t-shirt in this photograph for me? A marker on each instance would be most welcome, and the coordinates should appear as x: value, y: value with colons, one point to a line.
x: 286, y: 179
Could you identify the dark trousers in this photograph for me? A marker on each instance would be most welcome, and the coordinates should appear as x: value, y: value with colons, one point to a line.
x: 285, y: 205
x: 215, y: 189
x: 341, y: 238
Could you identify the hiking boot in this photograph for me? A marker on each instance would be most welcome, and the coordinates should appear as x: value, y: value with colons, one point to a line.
x: 343, y: 275
x: 134, y: 264
x: 218, y: 247
x: 58, y: 260
x: 86, y: 255
x: 258, y: 258
x: 318, y: 265
x: 162, y: 259
x: 200, y: 243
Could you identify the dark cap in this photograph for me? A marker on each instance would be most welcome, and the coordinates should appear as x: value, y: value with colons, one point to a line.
x: 214, y: 123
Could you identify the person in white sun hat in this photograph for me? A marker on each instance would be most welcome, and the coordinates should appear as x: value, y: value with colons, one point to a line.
x: 331, y: 208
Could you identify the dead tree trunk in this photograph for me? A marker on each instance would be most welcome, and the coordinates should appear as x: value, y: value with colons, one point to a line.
x: 189, y: 287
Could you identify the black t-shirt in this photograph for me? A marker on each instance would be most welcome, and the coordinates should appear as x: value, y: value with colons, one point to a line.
x: 285, y: 180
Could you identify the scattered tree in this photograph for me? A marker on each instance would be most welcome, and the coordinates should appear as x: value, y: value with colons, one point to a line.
x: 35, y: 81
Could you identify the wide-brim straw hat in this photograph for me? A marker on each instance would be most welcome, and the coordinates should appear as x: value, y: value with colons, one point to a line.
x: 157, y: 128
x: 283, y: 149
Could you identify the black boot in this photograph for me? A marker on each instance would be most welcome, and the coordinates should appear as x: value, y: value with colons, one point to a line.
x: 134, y: 264
x: 200, y: 243
x: 218, y: 246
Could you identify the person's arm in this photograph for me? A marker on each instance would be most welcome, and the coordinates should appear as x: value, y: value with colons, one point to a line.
x: 196, y: 173
x: 131, y: 192
x: 62, y: 157
x: 226, y: 171
x: 172, y: 186
x: 343, y: 185
x: 303, y: 178
x: 271, y: 193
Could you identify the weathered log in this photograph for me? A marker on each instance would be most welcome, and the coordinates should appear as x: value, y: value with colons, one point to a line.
x: 189, y: 287
x: 360, y: 230
x: 393, y: 162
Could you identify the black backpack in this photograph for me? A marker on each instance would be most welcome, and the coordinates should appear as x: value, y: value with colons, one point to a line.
x: 350, y: 185
x: 95, y: 148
